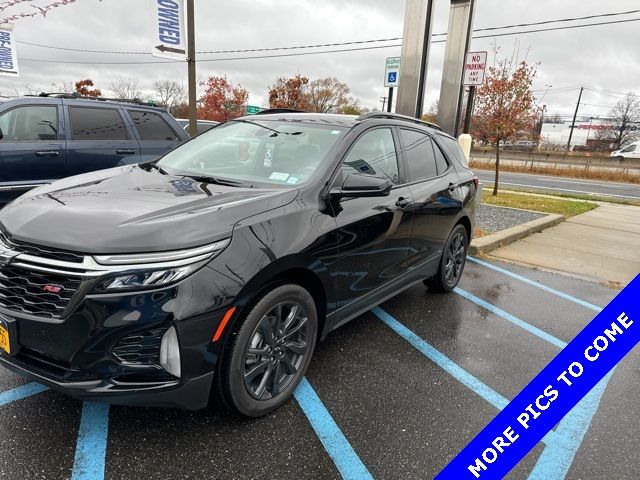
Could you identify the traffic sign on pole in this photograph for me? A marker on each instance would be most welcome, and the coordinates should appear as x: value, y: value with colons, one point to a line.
x: 8, y: 55
x: 392, y: 72
x: 170, y: 41
x: 252, y: 109
x: 474, y: 68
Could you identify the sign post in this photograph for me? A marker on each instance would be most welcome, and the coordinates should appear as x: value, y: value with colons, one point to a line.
x: 474, y: 73
x: 8, y: 55
x: 391, y: 78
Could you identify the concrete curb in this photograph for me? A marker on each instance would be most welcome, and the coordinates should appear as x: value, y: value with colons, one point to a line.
x: 510, y: 235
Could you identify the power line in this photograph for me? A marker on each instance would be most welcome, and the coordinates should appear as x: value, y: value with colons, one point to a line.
x: 357, y: 42
x: 224, y: 59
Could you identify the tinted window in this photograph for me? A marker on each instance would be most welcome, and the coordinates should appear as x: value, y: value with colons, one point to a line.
x: 96, y: 124
x: 441, y: 161
x: 203, y: 127
x: 151, y: 126
x: 373, y: 154
x: 421, y: 163
x: 35, y: 123
x: 629, y: 149
x: 452, y: 147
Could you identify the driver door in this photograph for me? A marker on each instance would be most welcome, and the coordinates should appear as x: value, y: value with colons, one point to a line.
x: 373, y: 232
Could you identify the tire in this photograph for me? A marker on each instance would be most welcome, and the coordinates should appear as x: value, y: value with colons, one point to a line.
x: 452, y: 262
x: 266, y: 360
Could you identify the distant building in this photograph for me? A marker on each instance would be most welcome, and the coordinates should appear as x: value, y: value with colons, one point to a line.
x: 589, y: 133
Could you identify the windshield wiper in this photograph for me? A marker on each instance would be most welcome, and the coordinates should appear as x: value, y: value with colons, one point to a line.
x: 266, y: 128
x: 157, y: 167
x: 218, y: 181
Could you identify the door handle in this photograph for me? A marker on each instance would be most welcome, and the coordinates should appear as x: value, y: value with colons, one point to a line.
x: 48, y: 153
x: 126, y: 152
x: 403, y: 202
x: 452, y: 187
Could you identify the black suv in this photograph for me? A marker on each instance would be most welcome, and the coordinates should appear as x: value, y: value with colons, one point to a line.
x: 52, y: 136
x: 213, y: 272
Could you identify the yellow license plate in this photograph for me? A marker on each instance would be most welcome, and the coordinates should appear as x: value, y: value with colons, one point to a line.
x: 4, y: 340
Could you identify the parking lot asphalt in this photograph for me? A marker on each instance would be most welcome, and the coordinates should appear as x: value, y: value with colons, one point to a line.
x: 396, y: 393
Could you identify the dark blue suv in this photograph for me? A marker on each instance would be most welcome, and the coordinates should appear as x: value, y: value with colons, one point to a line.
x: 47, y: 137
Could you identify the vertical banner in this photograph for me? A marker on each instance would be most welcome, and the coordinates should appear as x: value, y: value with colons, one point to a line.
x: 8, y: 54
x: 170, y: 38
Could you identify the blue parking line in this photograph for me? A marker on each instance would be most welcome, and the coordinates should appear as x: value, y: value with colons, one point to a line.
x: 337, y: 446
x: 91, y: 446
x: 511, y: 318
x: 536, y: 284
x: 21, y: 392
x: 442, y: 361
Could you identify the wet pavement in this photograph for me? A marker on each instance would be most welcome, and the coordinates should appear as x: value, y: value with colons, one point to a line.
x: 396, y: 393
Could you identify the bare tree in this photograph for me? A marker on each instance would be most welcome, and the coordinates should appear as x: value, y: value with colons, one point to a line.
x: 63, y: 87
x: 328, y: 95
x: 170, y: 93
x: 625, y: 121
x: 124, y: 87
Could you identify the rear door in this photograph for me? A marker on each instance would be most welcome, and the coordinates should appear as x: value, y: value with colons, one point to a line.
x: 98, y: 138
x: 433, y: 182
x: 155, y: 135
x: 32, y: 148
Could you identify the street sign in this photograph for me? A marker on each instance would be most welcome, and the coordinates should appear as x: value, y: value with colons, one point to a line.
x: 392, y: 72
x: 170, y: 41
x: 8, y: 55
x: 252, y: 109
x: 474, y: 68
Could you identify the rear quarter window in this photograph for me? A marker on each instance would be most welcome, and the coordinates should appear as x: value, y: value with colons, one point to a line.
x: 452, y: 148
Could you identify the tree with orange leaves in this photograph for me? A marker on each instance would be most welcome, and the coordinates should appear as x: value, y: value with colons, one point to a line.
x: 505, y: 105
x: 290, y: 93
x: 82, y: 87
x: 221, y: 100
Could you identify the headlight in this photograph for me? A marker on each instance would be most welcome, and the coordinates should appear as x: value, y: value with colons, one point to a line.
x: 151, y: 270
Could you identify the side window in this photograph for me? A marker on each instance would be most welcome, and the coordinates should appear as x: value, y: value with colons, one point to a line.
x: 629, y: 149
x: 96, y: 124
x: 151, y: 126
x: 32, y: 123
x: 374, y: 153
x: 453, y: 149
x: 441, y: 161
x: 421, y: 162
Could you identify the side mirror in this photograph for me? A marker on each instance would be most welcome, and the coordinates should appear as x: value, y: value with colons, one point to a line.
x: 357, y: 185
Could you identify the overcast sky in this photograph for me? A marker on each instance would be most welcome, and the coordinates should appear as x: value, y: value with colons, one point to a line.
x: 604, y: 57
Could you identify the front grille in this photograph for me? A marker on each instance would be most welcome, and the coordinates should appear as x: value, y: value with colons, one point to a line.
x: 36, y: 293
x: 40, y: 251
x: 142, y: 348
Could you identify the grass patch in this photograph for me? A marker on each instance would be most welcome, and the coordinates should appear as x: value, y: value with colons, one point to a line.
x: 560, y: 206
x: 559, y: 172
x: 592, y: 198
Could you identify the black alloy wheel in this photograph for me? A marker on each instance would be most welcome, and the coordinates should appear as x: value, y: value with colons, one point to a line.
x: 452, y: 262
x: 270, y: 351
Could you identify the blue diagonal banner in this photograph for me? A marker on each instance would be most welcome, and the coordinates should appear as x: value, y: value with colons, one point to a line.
x: 551, y: 395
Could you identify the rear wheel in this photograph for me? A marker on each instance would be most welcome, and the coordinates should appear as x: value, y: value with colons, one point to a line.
x: 452, y: 262
x: 270, y: 352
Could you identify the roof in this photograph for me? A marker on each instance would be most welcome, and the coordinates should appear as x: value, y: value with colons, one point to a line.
x: 320, y: 118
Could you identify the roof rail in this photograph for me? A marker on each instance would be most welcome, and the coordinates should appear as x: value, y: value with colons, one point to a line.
x: 279, y: 110
x: 396, y: 116
x: 77, y: 96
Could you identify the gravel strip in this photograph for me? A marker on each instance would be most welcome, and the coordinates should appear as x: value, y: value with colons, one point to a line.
x: 493, y: 219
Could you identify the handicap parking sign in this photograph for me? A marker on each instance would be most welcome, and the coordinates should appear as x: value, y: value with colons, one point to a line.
x: 393, y: 77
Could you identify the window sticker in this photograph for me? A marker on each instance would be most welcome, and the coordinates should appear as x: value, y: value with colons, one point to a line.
x: 268, y: 156
x: 335, y: 132
x: 293, y: 180
x: 281, y: 177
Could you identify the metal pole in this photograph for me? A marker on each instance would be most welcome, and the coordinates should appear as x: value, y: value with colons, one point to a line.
x: 390, y: 100
x: 384, y: 103
x: 191, y: 61
x: 467, y: 118
x: 573, y: 124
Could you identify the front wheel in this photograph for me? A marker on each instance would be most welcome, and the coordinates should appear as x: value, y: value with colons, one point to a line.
x: 270, y: 352
x: 452, y: 262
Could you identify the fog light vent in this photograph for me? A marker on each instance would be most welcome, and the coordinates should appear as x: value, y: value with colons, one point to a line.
x: 140, y: 348
x: 170, y: 352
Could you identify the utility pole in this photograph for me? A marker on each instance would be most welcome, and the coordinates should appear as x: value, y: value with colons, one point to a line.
x: 575, y: 115
x: 384, y: 103
x: 390, y: 102
x: 191, y: 60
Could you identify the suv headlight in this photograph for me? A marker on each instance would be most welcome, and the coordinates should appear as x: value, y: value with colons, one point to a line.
x: 151, y: 270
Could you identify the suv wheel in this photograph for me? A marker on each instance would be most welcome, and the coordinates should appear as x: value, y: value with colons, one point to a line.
x: 270, y: 352
x: 452, y: 262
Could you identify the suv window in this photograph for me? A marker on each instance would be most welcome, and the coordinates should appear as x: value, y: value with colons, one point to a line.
x: 151, y: 126
x: 441, y: 160
x: 421, y: 161
x: 629, y: 149
x: 31, y: 123
x: 96, y: 124
x: 374, y: 153
x: 453, y: 149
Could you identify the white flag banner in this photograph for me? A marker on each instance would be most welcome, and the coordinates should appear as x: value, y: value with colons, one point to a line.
x: 8, y: 54
x: 170, y: 41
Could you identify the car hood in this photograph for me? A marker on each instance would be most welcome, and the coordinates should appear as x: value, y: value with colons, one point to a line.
x: 129, y: 209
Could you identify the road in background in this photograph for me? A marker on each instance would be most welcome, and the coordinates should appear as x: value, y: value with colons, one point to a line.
x: 550, y: 184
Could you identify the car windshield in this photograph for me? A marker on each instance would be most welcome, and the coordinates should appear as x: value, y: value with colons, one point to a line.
x: 254, y: 152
